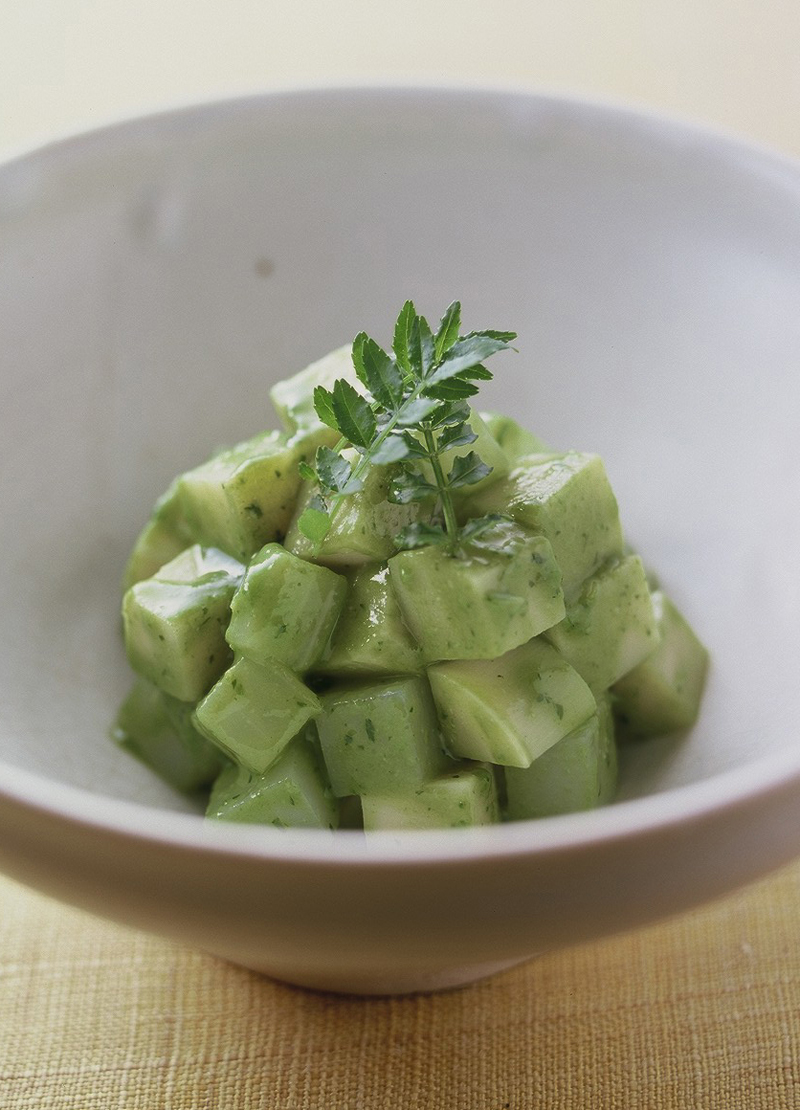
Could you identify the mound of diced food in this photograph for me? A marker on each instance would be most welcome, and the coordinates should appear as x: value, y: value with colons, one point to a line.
x: 345, y: 682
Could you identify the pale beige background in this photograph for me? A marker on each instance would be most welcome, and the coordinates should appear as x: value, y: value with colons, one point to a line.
x: 69, y: 64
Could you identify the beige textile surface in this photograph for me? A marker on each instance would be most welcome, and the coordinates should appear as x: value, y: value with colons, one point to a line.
x: 700, y: 1012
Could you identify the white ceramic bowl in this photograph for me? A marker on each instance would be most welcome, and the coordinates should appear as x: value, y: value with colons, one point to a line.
x: 158, y: 275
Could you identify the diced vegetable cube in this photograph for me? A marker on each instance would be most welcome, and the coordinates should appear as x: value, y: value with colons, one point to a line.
x: 370, y: 637
x: 663, y: 693
x: 293, y: 398
x: 579, y: 772
x: 380, y: 738
x: 291, y: 793
x: 244, y: 496
x: 463, y: 797
x: 568, y: 499
x: 363, y: 527
x: 504, y: 589
x: 175, y: 632
x: 165, y: 535
x: 514, y: 440
x: 610, y: 626
x: 197, y: 564
x: 158, y: 730
x: 512, y: 709
x: 253, y: 711
x: 285, y: 608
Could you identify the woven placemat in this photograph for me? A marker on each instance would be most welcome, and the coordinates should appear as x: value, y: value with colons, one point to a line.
x: 703, y: 1011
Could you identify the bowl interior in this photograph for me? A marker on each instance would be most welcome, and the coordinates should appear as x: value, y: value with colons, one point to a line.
x: 156, y: 277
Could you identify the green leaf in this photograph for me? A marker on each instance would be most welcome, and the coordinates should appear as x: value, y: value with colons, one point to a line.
x: 416, y: 411
x: 454, y: 389
x: 393, y: 448
x: 447, y: 332
x: 402, y: 335
x: 505, y: 336
x: 455, y: 435
x: 416, y: 450
x: 377, y: 371
x: 333, y: 470
x: 450, y: 412
x: 419, y: 534
x: 323, y: 404
x: 466, y: 353
x: 314, y: 524
x: 411, y: 486
x: 420, y: 348
x: 480, y: 525
x: 355, y: 419
x: 467, y: 470
x: 478, y: 372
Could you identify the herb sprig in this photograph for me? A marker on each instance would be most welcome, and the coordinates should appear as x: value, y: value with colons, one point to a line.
x: 415, y: 410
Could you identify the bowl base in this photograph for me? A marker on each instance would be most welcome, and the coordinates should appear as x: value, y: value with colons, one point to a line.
x: 391, y: 982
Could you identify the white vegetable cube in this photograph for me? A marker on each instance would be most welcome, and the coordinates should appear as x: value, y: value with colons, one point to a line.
x: 175, y: 632
x: 157, y: 729
x: 291, y: 793
x: 501, y: 591
x: 663, y: 693
x: 461, y: 798
x: 243, y: 497
x: 285, y: 608
x: 371, y: 637
x: 253, y: 712
x: 567, y: 498
x: 610, y: 626
x: 512, y: 709
x: 363, y: 526
x: 577, y: 773
x: 380, y: 737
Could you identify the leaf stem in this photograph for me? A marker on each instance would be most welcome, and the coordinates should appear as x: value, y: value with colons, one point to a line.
x: 445, y: 497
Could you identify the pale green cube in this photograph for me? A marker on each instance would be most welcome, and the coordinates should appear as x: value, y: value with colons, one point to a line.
x: 498, y: 592
x: 569, y: 500
x: 513, y: 439
x: 610, y: 626
x: 380, y: 737
x: 512, y: 709
x: 577, y: 773
x: 293, y: 398
x: 165, y: 535
x: 175, y: 633
x: 370, y: 637
x: 363, y: 524
x: 291, y: 793
x: 663, y: 693
x: 158, y: 730
x: 285, y: 608
x: 462, y: 798
x: 243, y: 497
x: 197, y: 563
x: 253, y: 711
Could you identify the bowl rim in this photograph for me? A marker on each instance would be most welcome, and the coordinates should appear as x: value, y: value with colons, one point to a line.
x: 618, y: 822
x: 179, y: 113
x: 723, y: 791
